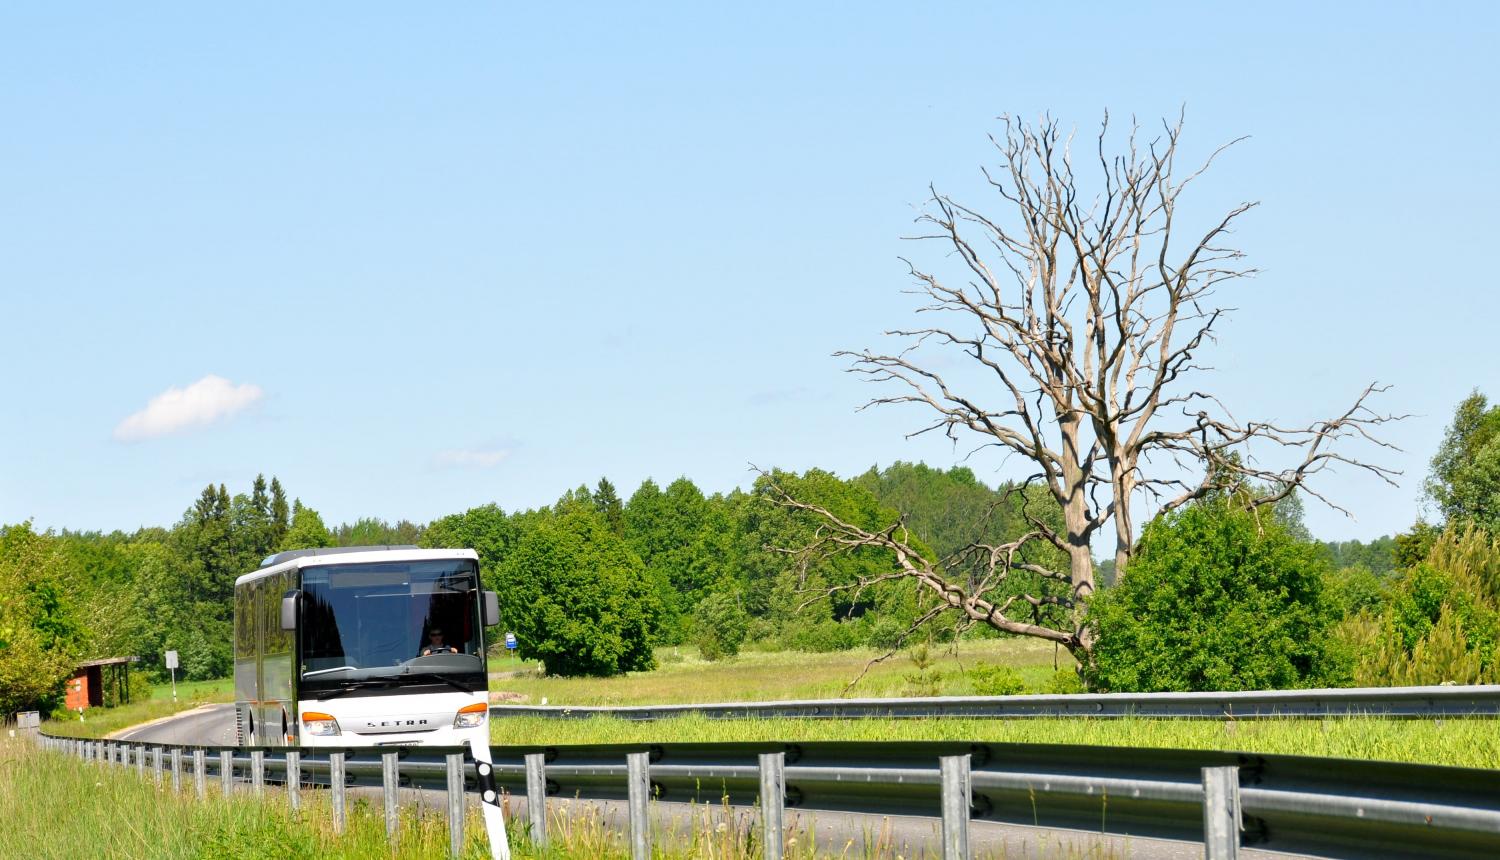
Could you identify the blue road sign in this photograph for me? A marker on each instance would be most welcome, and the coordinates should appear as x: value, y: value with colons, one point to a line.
x: 510, y: 641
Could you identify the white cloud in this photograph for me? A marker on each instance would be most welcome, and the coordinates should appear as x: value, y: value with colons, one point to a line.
x: 470, y: 458
x: 208, y: 400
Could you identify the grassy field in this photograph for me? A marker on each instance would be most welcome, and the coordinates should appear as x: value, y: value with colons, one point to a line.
x: 1464, y: 743
x: 682, y: 676
x: 59, y: 807
x: 98, y: 722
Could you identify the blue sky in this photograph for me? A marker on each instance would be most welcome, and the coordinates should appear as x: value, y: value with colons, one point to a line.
x: 437, y: 258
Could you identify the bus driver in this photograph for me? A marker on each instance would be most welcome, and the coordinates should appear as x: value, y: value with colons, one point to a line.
x: 435, y: 644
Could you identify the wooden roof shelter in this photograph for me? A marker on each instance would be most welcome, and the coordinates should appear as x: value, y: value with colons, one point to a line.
x: 86, y: 688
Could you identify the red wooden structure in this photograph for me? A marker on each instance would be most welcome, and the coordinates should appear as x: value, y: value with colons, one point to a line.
x: 86, y: 688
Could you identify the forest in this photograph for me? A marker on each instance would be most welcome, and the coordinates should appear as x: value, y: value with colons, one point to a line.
x: 1219, y: 596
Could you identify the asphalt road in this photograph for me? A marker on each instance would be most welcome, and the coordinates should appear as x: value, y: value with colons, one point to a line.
x: 210, y: 725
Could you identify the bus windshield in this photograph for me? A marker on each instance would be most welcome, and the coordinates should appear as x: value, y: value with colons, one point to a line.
x: 391, y: 624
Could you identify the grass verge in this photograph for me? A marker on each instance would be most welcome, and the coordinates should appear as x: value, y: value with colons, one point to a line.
x: 60, y: 807
x: 1463, y: 743
x: 98, y: 722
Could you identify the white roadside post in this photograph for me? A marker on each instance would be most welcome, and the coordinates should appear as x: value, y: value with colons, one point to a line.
x: 172, y: 667
x: 489, y: 795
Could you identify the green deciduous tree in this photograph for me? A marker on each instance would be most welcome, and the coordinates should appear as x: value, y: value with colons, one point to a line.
x: 578, y: 598
x: 1465, y: 477
x: 307, y: 530
x: 485, y: 529
x: 40, y: 634
x: 1217, y: 598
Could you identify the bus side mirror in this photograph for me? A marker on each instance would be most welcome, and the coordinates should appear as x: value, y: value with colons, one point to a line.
x: 289, y: 610
x: 491, y: 609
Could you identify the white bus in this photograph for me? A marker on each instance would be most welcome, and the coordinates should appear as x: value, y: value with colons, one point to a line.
x: 362, y: 646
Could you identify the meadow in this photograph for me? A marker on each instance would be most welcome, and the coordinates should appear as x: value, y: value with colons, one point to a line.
x: 1461, y: 743
x: 682, y: 676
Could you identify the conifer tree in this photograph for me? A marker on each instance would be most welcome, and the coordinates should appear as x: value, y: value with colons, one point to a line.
x: 281, y: 518
x: 607, y: 503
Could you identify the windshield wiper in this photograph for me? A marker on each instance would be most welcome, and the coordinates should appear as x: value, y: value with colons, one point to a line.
x: 326, y: 671
x: 457, y: 685
x: 351, y: 686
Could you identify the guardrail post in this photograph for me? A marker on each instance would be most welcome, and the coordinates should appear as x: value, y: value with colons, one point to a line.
x: 226, y: 772
x: 455, y: 803
x: 176, y: 770
x: 156, y: 764
x: 200, y: 774
x: 638, y: 783
x: 956, y: 794
x: 389, y: 781
x: 258, y: 772
x: 336, y: 789
x: 1221, y: 813
x: 140, y: 762
x: 772, y: 802
x: 294, y: 779
x: 536, y: 797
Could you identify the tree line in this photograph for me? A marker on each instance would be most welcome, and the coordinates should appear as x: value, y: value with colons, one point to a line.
x: 1220, y: 596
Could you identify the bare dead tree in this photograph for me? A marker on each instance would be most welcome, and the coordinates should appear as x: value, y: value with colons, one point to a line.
x: 1082, y: 315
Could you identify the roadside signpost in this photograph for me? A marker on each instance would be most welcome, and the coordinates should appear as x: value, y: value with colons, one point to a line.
x: 172, y: 666
x: 510, y: 644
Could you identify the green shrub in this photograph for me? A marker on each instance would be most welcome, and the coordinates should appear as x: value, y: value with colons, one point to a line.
x: 990, y: 679
x: 1065, y: 682
x: 1440, y: 622
x: 1355, y: 589
x: 1217, y: 598
x: 578, y: 599
x: 819, y: 637
x: 719, y: 626
x: 886, y: 633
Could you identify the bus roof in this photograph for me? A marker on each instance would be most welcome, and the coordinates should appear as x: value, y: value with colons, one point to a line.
x: 298, y: 558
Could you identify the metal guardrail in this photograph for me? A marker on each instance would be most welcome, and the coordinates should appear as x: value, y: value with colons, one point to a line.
x: 1325, y: 807
x: 1391, y: 702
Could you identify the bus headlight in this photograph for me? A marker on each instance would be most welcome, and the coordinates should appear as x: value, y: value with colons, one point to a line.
x: 471, y: 716
x: 319, y: 725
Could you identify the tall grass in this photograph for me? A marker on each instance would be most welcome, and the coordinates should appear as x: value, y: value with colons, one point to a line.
x: 1464, y: 743
x: 57, y: 806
